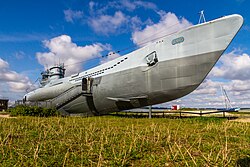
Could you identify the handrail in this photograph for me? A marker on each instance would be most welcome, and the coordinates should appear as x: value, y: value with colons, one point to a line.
x: 63, y: 98
x: 58, y: 106
x: 65, y: 92
x: 180, y: 112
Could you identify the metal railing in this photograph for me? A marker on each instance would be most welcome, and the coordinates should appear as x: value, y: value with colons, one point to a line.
x: 167, y: 113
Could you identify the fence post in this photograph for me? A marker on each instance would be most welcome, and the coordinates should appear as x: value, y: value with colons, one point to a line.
x: 150, y: 112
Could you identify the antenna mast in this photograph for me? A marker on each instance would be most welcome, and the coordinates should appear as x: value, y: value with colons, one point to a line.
x: 202, y: 17
x: 226, y: 99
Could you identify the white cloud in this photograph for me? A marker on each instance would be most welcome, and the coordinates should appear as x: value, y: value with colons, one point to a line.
x: 239, y: 87
x: 19, y: 55
x: 106, y: 24
x: 124, y: 5
x: 62, y: 49
x: 127, y: 5
x: 71, y: 15
x: 146, y: 5
x: 135, y: 23
x: 116, y: 24
x: 12, y: 81
x: 111, y: 17
x: 91, y: 7
x: 19, y: 86
x: 131, y: 6
x: 3, y: 64
x: 207, y: 87
x: 169, y: 23
x: 233, y: 67
x: 209, y: 94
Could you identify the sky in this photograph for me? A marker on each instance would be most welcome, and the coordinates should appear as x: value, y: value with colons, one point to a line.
x: 35, y: 35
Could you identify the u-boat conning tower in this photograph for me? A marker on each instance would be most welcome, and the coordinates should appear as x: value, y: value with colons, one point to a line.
x: 53, y: 73
x: 64, y: 95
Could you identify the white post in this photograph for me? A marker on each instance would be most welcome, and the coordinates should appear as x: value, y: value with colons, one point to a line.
x: 150, y: 112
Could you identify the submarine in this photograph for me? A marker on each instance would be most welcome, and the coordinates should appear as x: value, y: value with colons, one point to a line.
x: 164, y: 70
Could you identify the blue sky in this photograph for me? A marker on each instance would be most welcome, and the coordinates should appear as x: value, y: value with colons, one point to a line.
x: 34, y: 34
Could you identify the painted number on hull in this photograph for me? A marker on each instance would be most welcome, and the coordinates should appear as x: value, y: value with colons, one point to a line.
x: 177, y: 40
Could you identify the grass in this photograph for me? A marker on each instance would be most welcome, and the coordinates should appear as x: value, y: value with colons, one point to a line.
x: 22, y: 110
x: 114, y: 141
x: 4, y: 113
x: 247, y: 113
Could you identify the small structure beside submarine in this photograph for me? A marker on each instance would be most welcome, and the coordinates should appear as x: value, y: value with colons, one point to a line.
x: 167, y: 69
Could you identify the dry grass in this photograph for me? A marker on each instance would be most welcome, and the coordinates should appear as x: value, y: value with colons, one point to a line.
x: 110, y: 141
x: 5, y: 116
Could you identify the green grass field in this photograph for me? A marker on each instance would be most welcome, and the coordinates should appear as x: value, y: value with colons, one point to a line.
x: 114, y: 141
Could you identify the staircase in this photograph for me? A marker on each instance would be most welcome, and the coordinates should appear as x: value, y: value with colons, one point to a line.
x: 68, y: 96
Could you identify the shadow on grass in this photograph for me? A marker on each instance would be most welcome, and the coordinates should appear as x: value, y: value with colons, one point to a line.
x: 243, y: 162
